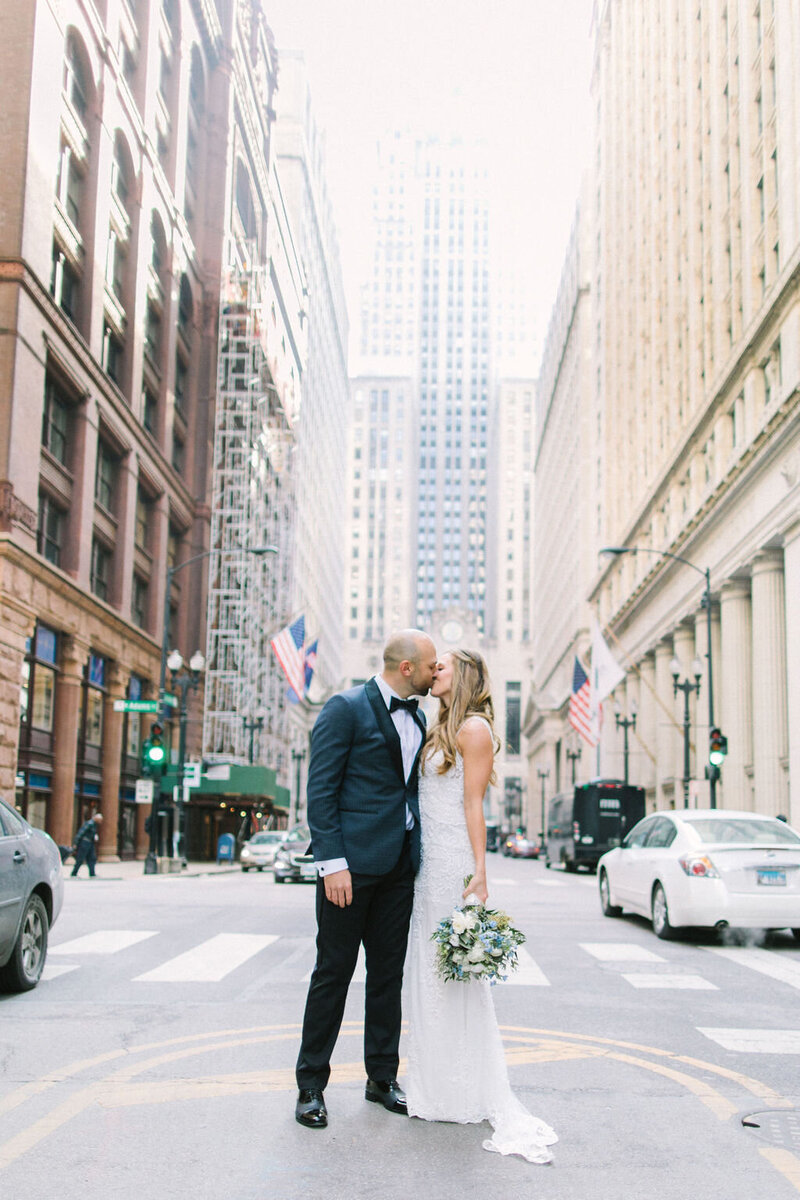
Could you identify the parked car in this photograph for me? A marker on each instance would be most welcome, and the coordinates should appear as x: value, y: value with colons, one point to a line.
x: 518, y: 846
x: 293, y: 863
x: 589, y: 819
x: 31, y: 893
x: 259, y: 852
x: 705, y: 867
x: 492, y: 836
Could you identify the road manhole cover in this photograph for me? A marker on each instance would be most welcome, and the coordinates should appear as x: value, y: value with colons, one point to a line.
x: 779, y: 1127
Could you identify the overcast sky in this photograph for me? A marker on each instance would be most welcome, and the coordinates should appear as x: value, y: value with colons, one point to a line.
x: 515, y: 72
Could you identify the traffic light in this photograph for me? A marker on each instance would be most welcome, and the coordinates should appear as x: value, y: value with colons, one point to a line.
x: 154, y: 755
x: 717, y: 748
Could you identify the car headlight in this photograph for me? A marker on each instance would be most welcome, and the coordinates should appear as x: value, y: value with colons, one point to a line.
x: 282, y: 857
x: 246, y: 852
x: 699, y: 866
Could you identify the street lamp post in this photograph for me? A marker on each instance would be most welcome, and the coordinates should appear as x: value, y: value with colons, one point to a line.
x: 573, y: 756
x: 625, y: 723
x: 250, y: 727
x: 297, y: 759
x: 687, y: 687
x: 543, y: 774
x: 163, y: 712
x: 184, y: 682
x: 706, y: 573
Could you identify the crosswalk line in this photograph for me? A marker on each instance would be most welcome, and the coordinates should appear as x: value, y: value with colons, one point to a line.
x: 53, y: 970
x: 549, y: 883
x: 527, y: 974
x: 211, y: 961
x: 755, y: 1041
x: 620, y: 952
x: 766, y: 962
x: 103, y: 941
x: 669, y: 982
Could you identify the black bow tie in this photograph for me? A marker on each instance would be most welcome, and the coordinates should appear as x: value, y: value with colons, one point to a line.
x: 409, y: 705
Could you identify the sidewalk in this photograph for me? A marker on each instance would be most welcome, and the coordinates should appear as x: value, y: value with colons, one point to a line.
x: 134, y: 869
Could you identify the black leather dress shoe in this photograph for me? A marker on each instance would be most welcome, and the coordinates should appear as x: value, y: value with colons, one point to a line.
x: 310, y: 1109
x: 388, y: 1093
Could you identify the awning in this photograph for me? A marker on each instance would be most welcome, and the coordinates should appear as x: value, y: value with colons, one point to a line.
x: 234, y: 781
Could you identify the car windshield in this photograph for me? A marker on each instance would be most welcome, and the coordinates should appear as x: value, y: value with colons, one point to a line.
x: 745, y: 831
x: 261, y: 838
x: 300, y: 834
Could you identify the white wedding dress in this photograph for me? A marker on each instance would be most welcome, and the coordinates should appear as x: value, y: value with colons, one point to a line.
x: 456, y: 1064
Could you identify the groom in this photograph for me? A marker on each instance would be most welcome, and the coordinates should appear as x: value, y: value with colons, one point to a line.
x: 364, y: 819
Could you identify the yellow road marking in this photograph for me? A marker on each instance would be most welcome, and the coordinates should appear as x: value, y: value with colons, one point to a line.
x: 784, y: 1161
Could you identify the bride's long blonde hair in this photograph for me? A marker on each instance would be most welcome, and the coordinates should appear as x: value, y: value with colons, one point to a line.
x: 470, y: 696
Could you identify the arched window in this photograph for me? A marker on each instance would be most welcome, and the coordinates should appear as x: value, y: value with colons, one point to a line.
x: 185, y: 309
x: 75, y: 77
x: 70, y: 249
x: 183, y: 350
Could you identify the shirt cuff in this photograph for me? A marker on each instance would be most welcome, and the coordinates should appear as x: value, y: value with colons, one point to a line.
x: 329, y: 865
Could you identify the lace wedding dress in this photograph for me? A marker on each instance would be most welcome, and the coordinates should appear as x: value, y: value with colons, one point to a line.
x: 456, y: 1064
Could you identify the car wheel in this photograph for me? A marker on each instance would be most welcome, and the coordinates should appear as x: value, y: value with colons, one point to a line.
x: 609, y: 909
x: 661, y: 925
x: 570, y: 865
x: 547, y: 863
x: 24, y: 969
x: 279, y: 879
x: 245, y: 869
x: 796, y: 933
x: 259, y: 868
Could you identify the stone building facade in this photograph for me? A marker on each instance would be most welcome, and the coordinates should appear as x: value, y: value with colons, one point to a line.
x: 116, y: 195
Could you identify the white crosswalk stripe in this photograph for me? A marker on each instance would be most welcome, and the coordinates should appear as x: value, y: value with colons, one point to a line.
x: 53, y: 970
x: 620, y: 952
x: 755, y: 1041
x: 527, y: 974
x: 103, y: 941
x: 766, y: 962
x: 693, y: 982
x: 211, y: 961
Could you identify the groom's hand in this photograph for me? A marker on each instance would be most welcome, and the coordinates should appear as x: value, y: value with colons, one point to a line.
x: 339, y: 888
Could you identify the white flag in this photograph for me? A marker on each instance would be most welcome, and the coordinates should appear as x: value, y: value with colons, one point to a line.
x: 606, y: 671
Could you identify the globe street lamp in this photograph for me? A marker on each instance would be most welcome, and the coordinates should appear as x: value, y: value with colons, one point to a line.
x: 687, y: 687
x: 617, y: 551
x: 297, y: 759
x: 573, y: 756
x: 183, y: 682
x: 543, y: 774
x: 624, y: 723
x: 257, y: 724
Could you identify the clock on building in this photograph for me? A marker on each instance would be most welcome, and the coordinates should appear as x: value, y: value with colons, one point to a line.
x: 452, y: 631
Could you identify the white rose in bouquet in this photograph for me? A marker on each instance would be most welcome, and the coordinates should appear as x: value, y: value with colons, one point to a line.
x: 454, y: 940
x: 476, y: 954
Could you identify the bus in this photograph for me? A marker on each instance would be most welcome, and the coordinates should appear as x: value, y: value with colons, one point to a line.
x: 589, y: 819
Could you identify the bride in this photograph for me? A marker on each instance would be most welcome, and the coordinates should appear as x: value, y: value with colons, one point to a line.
x: 456, y: 1064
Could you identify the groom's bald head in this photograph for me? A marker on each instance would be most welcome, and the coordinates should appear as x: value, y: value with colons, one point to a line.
x: 409, y: 662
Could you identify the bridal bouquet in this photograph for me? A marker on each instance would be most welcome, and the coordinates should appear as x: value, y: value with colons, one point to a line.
x: 475, y: 942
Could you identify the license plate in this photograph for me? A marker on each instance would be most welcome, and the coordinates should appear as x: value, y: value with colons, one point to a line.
x: 771, y: 878
x: 309, y: 871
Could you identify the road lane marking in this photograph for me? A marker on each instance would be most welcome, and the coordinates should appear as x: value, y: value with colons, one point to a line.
x: 784, y: 1161
x: 691, y: 982
x: 103, y: 941
x: 211, y: 961
x: 53, y: 970
x: 620, y: 952
x: 527, y: 974
x: 755, y: 1041
x: 767, y: 962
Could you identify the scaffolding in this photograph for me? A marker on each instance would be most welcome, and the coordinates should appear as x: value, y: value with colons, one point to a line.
x: 253, y: 506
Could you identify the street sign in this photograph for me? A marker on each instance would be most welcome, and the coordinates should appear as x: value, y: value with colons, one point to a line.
x: 136, y: 706
x: 144, y: 791
x: 191, y: 774
x: 170, y: 700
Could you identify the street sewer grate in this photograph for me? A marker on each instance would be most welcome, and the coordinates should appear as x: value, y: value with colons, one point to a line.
x: 779, y: 1127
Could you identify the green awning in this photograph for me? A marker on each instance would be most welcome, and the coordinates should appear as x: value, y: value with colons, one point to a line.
x: 234, y: 780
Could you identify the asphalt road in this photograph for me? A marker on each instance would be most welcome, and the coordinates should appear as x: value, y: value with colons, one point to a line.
x: 156, y: 1056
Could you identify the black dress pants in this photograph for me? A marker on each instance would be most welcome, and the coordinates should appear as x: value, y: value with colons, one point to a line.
x: 379, y: 917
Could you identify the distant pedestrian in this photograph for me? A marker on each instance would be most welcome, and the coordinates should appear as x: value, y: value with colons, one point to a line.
x: 86, y: 844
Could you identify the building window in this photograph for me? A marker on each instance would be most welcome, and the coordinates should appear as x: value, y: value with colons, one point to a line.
x: 112, y: 354
x: 64, y: 283
x: 513, y: 717
x: 105, y: 480
x: 100, y: 569
x: 178, y: 454
x: 55, y: 423
x: 181, y: 380
x: 143, y: 506
x: 37, y: 699
x: 150, y: 411
x: 50, y: 530
x: 139, y: 601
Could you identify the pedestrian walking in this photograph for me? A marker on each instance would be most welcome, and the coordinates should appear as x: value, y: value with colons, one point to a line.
x: 86, y: 844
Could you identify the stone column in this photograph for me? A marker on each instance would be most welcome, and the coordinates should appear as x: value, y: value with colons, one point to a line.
x: 17, y: 624
x: 791, y: 572
x: 770, y: 735
x: 116, y: 683
x: 735, y: 707
x: 73, y: 657
x: 667, y: 743
x: 646, y: 724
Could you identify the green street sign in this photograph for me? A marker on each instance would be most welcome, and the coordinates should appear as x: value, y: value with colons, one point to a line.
x: 140, y: 706
x: 170, y: 700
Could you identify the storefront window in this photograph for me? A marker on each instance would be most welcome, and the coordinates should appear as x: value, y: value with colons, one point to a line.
x: 94, y: 717
x: 43, y: 696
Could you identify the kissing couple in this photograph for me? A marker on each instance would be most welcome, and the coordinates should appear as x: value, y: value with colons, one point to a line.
x: 396, y: 820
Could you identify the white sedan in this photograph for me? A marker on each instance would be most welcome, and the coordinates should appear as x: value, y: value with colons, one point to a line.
x: 709, y: 867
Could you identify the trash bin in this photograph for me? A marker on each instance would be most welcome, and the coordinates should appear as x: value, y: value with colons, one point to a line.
x: 225, y: 847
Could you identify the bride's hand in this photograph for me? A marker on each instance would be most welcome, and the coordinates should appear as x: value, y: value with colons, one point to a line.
x: 477, y: 887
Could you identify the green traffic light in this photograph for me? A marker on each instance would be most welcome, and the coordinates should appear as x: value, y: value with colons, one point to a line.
x: 155, y: 755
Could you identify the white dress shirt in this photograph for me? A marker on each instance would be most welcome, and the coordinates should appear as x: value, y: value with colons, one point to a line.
x: 410, y: 736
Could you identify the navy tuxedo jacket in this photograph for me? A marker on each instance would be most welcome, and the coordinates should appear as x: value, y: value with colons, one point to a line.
x: 356, y: 792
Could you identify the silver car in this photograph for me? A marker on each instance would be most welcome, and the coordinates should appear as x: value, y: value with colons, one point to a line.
x: 31, y: 893
x: 259, y: 852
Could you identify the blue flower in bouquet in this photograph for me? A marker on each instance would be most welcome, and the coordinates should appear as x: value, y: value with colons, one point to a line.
x: 475, y: 942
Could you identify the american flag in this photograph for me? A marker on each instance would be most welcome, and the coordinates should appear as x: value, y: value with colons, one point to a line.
x: 580, y: 705
x: 310, y: 662
x: 288, y: 647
